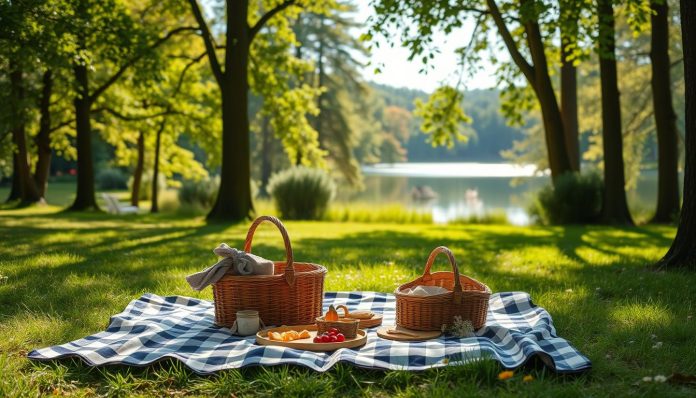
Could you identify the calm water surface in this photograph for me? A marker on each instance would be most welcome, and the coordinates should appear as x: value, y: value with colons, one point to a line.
x: 463, y: 190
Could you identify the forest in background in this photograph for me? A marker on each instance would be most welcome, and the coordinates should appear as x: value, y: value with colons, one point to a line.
x: 122, y: 85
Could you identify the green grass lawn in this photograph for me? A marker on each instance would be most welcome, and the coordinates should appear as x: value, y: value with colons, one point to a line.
x: 62, y: 275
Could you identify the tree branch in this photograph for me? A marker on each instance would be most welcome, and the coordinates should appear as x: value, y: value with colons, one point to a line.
x: 188, y: 66
x: 61, y: 125
x: 135, y: 59
x: 517, y: 57
x: 262, y: 21
x: 130, y: 118
x: 208, y: 40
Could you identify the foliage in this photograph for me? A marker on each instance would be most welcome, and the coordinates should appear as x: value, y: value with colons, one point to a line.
x: 574, y: 199
x: 443, y: 117
x: 328, y: 40
x: 112, y: 179
x: 200, y: 193
x: 301, y: 193
x: 287, y: 98
x: 592, y: 280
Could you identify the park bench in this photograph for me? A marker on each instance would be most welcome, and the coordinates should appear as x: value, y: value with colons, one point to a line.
x: 113, y: 206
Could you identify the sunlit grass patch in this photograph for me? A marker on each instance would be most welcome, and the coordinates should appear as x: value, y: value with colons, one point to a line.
x: 68, y: 273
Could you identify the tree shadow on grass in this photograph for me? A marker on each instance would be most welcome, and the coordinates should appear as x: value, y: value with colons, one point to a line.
x: 103, y: 268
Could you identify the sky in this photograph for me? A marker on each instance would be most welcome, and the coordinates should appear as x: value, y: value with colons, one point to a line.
x: 397, y: 70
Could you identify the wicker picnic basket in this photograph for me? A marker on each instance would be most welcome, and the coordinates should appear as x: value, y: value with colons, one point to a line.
x: 468, y: 298
x: 291, y: 296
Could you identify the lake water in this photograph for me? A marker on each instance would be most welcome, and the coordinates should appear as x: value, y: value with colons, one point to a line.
x: 464, y: 190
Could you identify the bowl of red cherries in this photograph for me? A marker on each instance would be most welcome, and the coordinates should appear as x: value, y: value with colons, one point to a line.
x: 330, y: 336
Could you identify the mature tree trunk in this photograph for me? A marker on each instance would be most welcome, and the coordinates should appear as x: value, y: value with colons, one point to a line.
x: 234, y: 197
x: 138, y: 172
x: 569, y: 85
x: 551, y: 112
x: 615, y: 208
x: 154, y: 206
x: 266, y: 156
x: 15, y: 189
x: 682, y: 253
x: 43, y: 138
x: 537, y: 75
x: 85, y: 198
x: 665, y: 117
x: 28, y: 192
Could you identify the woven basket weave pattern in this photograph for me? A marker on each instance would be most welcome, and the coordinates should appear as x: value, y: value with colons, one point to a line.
x: 291, y: 296
x: 349, y: 328
x: 468, y: 298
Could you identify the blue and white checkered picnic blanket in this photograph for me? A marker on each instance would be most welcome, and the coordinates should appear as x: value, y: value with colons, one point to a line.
x: 153, y: 328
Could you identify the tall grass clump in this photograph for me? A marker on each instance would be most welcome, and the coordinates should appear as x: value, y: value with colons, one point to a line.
x: 575, y: 199
x: 111, y: 180
x: 376, y: 213
x: 487, y: 218
x: 301, y: 193
x: 199, y: 195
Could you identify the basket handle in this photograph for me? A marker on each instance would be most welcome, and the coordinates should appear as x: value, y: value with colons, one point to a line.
x: 289, y: 271
x: 457, y: 283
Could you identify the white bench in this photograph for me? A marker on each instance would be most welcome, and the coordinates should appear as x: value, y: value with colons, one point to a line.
x: 113, y: 206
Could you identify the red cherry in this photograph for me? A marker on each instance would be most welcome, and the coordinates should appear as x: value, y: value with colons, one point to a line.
x: 333, y: 338
x: 325, y: 339
x: 317, y: 339
x: 340, y: 337
x: 333, y: 330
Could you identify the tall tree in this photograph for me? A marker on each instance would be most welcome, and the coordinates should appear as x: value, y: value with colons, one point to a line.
x: 232, y: 76
x: 103, y: 29
x: 665, y: 117
x: 520, y: 27
x: 43, y: 138
x: 327, y: 40
x: 569, y: 30
x: 615, y: 207
x: 28, y: 193
x: 234, y: 195
x: 682, y: 253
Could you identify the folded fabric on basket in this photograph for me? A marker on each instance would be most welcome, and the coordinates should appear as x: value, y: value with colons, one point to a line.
x: 422, y: 291
x: 236, y: 262
x: 153, y: 328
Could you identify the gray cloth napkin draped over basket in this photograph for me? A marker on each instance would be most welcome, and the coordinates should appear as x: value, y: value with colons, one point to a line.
x: 236, y: 262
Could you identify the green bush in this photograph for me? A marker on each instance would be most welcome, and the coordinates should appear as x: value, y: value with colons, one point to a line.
x: 146, y: 185
x: 575, y: 199
x: 301, y: 193
x: 112, y: 179
x: 199, y: 194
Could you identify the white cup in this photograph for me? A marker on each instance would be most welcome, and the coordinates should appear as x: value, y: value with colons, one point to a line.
x: 247, y: 323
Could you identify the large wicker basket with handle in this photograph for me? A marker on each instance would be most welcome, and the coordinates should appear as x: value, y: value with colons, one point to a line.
x: 291, y: 296
x: 468, y: 298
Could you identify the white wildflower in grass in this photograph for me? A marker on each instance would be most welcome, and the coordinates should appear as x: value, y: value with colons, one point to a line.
x: 460, y: 328
x: 659, y: 379
x: 657, y: 345
x: 647, y: 379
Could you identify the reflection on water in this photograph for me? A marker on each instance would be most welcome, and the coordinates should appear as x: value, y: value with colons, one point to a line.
x: 464, y: 190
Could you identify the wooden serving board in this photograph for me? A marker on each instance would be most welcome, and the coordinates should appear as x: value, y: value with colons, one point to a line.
x: 413, y: 335
x: 307, y: 344
x: 376, y: 320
